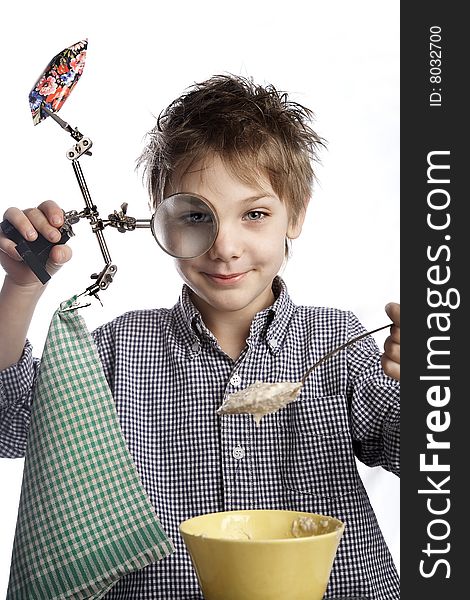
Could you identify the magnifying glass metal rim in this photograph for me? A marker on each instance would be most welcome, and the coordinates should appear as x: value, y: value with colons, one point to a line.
x: 202, y: 199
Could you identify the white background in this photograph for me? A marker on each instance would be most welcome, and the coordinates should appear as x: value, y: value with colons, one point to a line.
x: 340, y: 58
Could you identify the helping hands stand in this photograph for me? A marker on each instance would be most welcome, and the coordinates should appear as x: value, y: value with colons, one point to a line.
x: 119, y: 220
x: 35, y: 253
x: 46, y: 97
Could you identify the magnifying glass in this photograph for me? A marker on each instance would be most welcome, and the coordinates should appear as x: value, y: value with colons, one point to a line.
x: 185, y: 225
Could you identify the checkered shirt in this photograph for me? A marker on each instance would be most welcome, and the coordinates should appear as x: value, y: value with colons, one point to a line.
x: 168, y: 376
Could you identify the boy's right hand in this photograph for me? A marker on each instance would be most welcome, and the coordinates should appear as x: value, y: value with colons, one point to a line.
x: 46, y: 219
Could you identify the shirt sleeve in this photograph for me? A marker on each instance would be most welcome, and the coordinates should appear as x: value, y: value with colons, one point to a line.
x: 104, y: 338
x: 16, y: 390
x: 16, y: 393
x: 375, y: 405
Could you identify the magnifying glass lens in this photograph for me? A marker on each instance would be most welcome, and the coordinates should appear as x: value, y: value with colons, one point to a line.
x: 184, y: 225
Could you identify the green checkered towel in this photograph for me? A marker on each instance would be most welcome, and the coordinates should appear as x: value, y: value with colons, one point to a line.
x: 84, y: 519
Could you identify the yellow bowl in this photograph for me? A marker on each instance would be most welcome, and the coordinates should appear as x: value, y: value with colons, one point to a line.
x: 254, y: 554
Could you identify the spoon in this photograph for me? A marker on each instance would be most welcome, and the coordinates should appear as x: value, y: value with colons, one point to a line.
x: 260, y: 399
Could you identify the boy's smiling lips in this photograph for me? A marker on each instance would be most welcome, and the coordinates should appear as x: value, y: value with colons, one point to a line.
x: 222, y: 278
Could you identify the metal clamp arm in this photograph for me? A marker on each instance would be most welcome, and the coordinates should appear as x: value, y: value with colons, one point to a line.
x: 105, y: 277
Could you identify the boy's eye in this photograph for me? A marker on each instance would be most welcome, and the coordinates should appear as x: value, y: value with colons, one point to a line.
x: 194, y: 218
x: 255, y: 215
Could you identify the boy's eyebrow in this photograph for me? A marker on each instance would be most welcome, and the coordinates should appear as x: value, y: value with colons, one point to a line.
x: 257, y: 197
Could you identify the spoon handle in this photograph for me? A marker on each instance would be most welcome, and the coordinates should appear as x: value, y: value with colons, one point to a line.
x: 342, y: 347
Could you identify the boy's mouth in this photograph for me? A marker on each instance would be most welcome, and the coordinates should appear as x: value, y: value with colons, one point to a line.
x: 225, y: 279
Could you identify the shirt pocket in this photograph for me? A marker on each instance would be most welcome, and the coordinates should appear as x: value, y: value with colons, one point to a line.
x: 317, y: 456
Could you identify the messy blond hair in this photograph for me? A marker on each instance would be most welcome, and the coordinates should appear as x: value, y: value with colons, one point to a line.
x: 254, y: 129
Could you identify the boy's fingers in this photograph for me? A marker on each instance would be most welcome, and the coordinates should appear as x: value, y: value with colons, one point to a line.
x: 21, y: 223
x: 392, y: 349
x: 53, y: 212
x: 393, y: 311
x: 45, y: 219
x: 59, y: 255
x: 42, y: 225
x: 391, y: 368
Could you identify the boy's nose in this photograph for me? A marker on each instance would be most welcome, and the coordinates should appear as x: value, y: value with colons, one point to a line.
x: 228, y: 244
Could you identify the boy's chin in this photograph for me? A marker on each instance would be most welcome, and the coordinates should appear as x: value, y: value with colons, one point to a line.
x: 233, y: 299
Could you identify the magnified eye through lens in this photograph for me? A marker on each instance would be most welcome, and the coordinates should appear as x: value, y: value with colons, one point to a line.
x: 195, y: 218
x: 185, y: 225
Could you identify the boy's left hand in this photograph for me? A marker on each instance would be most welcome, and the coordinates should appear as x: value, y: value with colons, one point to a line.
x: 391, y: 357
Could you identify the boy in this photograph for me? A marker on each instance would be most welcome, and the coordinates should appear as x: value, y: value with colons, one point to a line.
x: 249, y: 151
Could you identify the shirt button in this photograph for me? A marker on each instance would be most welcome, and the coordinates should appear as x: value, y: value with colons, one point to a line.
x: 238, y: 452
x: 235, y: 380
x: 273, y: 343
x: 195, y: 346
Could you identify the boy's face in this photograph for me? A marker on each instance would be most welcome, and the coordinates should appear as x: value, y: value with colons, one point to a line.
x: 236, y: 274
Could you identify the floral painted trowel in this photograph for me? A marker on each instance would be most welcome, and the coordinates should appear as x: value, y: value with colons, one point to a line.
x: 57, y: 80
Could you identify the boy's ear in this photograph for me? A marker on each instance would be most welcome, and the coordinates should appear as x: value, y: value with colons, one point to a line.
x: 294, y: 228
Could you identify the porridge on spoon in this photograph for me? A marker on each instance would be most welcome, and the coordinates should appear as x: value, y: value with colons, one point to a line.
x: 260, y: 399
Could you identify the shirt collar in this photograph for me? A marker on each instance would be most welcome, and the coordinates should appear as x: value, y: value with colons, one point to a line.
x: 269, y: 325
